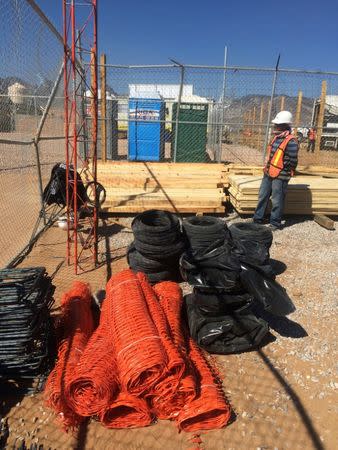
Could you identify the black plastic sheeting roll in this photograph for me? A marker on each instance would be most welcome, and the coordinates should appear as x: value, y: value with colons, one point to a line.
x: 235, y: 332
x: 251, y: 232
x: 269, y: 293
x: 213, y: 267
x: 251, y: 246
x: 55, y: 190
x: 218, y: 303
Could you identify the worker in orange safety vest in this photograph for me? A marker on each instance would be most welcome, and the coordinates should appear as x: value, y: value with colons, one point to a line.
x: 312, y: 140
x: 280, y: 164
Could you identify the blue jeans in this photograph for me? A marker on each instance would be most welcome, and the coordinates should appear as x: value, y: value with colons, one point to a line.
x: 275, y: 188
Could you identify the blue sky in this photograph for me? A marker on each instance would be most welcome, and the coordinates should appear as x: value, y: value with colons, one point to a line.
x: 195, y: 32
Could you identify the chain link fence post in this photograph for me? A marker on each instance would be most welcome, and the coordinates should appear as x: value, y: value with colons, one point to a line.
x: 273, y: 89
x: 179, y: 100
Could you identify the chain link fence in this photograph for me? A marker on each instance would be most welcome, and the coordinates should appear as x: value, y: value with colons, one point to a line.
x: 198, y: 113
x: 31, y: 120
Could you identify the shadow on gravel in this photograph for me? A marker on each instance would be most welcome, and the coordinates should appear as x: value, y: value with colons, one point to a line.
x: 294, y: 220
x: 284, y: 326
x: 278, y: 266
x: 303, y: 414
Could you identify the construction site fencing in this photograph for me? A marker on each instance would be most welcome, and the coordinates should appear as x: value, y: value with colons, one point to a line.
x: 31, y: 121
x: 191, y: 113
x: 174, y: 112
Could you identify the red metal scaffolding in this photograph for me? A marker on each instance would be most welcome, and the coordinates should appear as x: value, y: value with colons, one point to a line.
x: 80, y: 43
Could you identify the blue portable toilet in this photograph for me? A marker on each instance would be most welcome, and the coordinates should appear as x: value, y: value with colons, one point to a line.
x: 146, y: 127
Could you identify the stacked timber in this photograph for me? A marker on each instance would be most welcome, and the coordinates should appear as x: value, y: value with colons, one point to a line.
x: 133, y: 187
x: 241, y: 169
x: 305, y: 195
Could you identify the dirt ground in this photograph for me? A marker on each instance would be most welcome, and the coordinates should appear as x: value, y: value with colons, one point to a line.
x: 284, y: 395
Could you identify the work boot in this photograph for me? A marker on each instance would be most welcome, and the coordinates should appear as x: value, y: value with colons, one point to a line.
x: 273, y: 227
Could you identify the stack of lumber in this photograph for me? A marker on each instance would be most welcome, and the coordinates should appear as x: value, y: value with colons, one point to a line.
x: 240, y: 169
x: 134, y: 187
x: 306, y: 194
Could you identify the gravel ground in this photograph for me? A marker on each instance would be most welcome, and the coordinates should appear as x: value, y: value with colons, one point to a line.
x: 284, y: 395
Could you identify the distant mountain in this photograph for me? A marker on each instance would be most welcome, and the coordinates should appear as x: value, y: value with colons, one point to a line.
x: 239, y: 106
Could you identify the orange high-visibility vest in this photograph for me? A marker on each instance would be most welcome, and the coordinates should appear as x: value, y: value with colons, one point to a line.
x: 312, y: 134
x: 274, y: 167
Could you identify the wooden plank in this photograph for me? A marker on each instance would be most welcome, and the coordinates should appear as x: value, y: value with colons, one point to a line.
x: 324, y: 221
x: 305, y: 195
x: 140, y: 208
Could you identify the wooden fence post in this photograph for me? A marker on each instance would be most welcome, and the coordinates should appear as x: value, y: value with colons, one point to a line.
x: 282, y: 103
x: 320, y: 120
x: 253, y: 128
x: 261, y: 128
x: 103, y: 108
x: 298, y: 112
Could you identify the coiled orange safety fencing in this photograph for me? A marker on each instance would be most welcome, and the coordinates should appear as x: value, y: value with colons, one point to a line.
x: 139, y: 364
x: 77, y: 326
x: 94, y: 383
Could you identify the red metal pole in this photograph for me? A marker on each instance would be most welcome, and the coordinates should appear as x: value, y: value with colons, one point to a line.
x: 74, y: 114
x: 66, y: 118
x: 95, y: 119
x: 72, y: 75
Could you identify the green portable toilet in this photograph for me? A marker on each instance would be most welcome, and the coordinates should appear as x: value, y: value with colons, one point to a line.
x: 191, y: 137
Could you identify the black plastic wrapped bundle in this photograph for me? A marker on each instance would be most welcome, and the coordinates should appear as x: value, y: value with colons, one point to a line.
x: 237, y: 331
x: 214, y: 267
x: 252, y: 242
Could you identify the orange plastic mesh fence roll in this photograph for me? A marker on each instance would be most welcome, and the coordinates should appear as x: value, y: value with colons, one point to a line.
x: 171, y: 301
x: 140, y: 356
x: 210, y: 409
x: 94, y: 383
x: 127, y: 411
x: 168, y: 385
x: 77, y: 325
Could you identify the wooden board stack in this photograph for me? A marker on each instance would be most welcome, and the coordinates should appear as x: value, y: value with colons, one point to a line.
x: 305, y: 195
x: 134, y: 187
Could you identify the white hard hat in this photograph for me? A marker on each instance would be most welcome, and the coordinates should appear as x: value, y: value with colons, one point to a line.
x: 283, y: 117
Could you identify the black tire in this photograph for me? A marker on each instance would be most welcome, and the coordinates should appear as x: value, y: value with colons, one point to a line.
x: 251, y: 232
